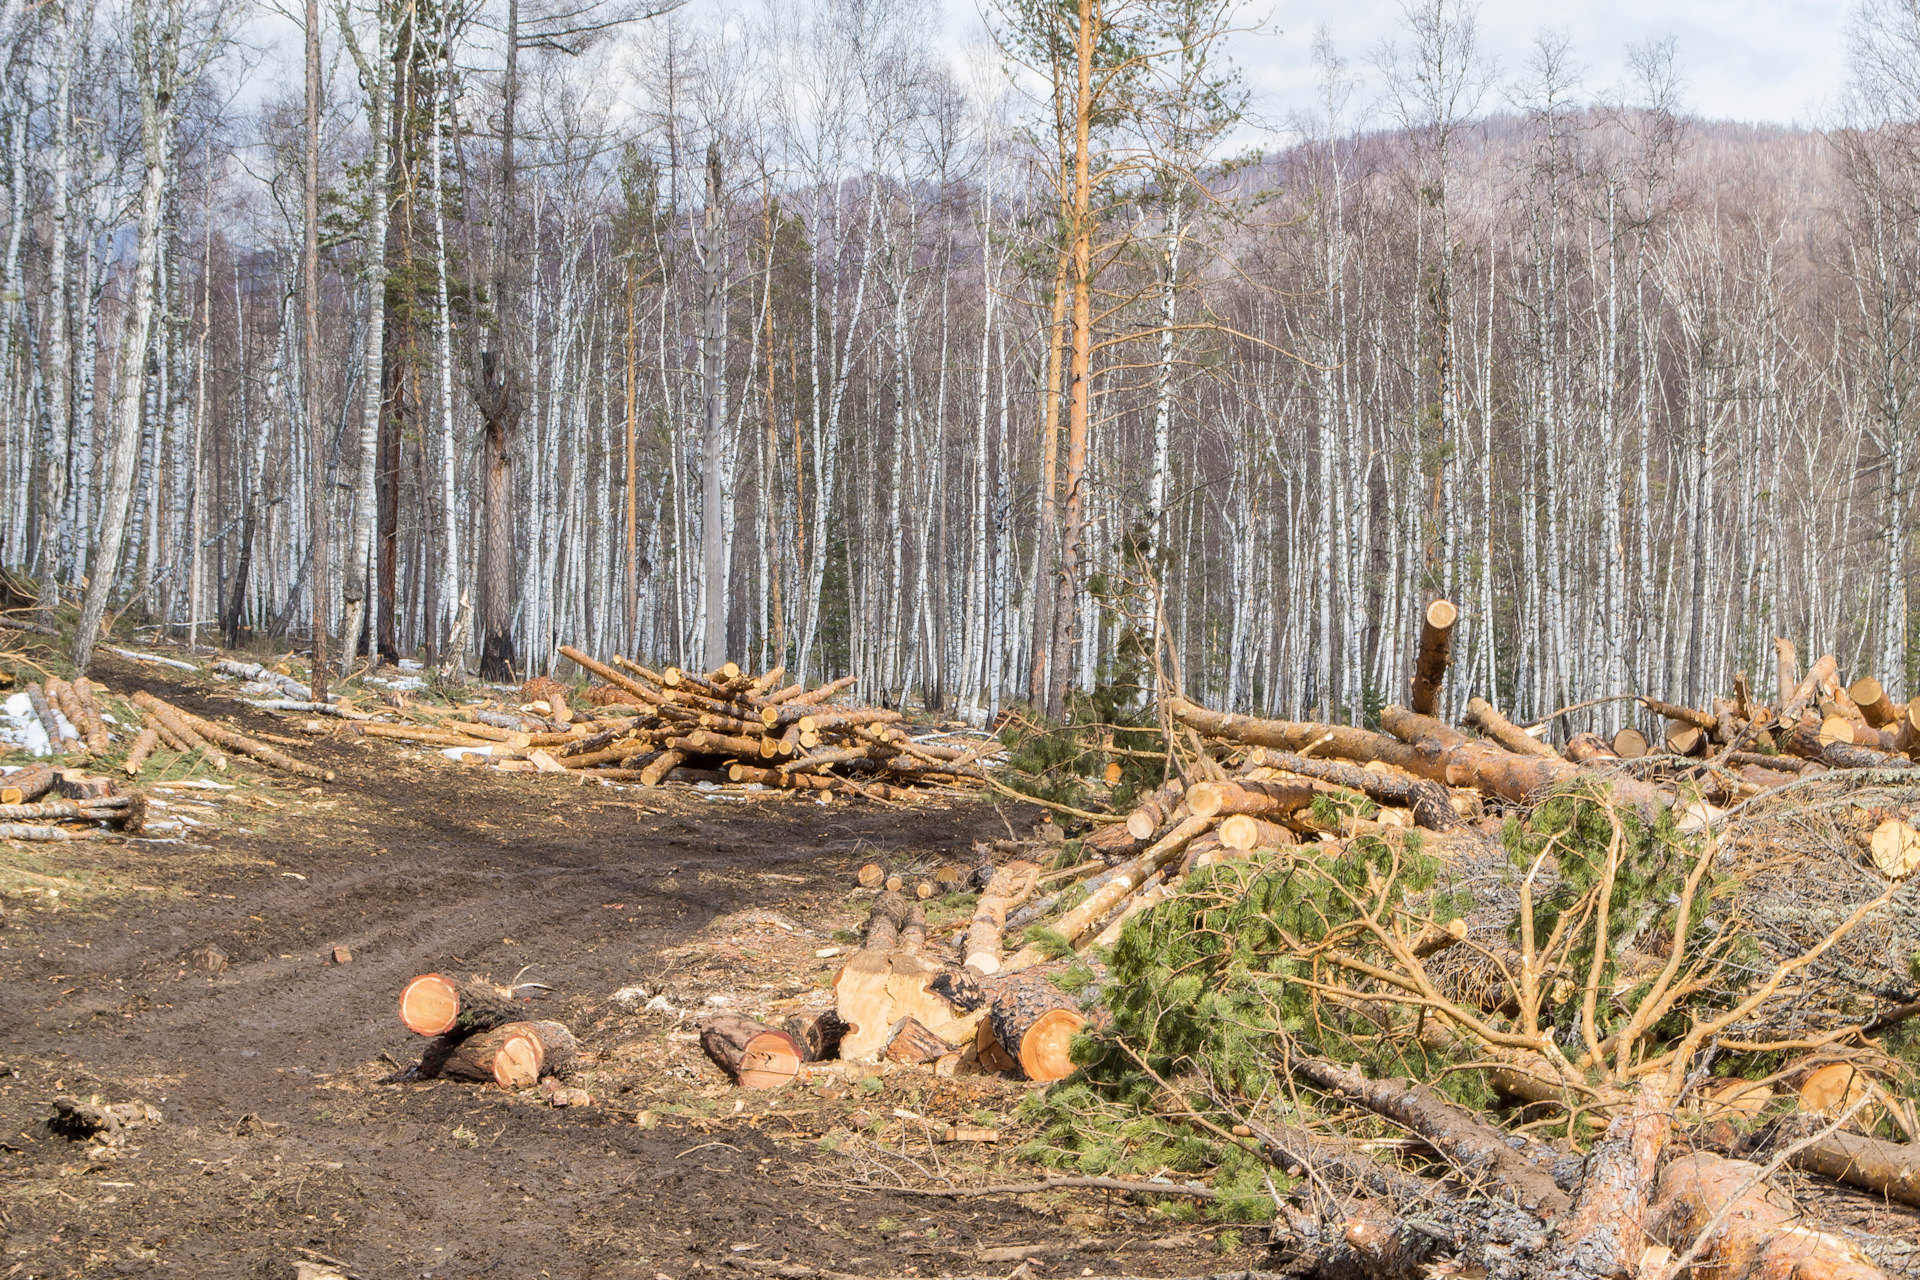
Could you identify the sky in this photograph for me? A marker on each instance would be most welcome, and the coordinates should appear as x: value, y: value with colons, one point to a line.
x: 1778, y: 61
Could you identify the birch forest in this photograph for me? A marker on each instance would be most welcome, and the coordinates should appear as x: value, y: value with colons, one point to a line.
x: 1045, y: 371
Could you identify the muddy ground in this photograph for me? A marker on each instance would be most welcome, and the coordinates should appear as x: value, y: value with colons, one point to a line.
x: 280, y: 1141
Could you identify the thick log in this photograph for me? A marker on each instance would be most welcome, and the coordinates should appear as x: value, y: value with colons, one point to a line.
x: 910, y: 1042
x: 1591, y: 748
x: 1877, y: 708
x: 1436, y: 651
x: 1755, y: 1239
x: 1246, y: 833
x: 1344, y: 741
x: 1906, y: 729
x: 1630, y: 744
x: 660, y: 766
x: 1607, y: 1232
x: 28, y: 784
x: 1224, y: 799
x: 33, y: 831
x: 612, y: 677
x: 1148, y: 817
x: 1890, y: 1169
x: 1506, y: 732
x: 92, y: 724
x: 1805, y: 742
x: 1470, y: 1142
x: 434, y: 1004
x: 1034, y: 1023
x: 1786, y: 668
x: 1009, y: 886
x: 818, y: 1035
x: 511, y: 1056
x: 1432, y: 807
x: 1806, y: 693
x: 756, y: 1055
x: 1896, y: 849
x: 1684, y: 739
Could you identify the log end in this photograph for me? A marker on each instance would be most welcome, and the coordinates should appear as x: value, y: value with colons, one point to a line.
x: 1046, y: 1048
x: 429, y: 1005
x: 517, y: 1062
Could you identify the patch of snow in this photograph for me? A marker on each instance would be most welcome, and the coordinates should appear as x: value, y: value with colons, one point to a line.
x: 660, y: 1004
x: 412, y: 664
x: 21, y: 727
x: 627, y: 997
x: 455, y: 753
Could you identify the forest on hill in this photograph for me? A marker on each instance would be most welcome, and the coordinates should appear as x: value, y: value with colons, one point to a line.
x: 782, y: 338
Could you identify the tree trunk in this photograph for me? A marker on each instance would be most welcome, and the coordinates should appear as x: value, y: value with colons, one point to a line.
x: 1756, y: 1240
x: 1034, y: 1022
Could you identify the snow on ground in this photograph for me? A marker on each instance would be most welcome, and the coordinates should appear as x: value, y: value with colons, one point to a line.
x: 21, y: 727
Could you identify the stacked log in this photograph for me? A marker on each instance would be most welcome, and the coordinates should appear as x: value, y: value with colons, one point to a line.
x: 480, y: 1032
x: 724, y: 727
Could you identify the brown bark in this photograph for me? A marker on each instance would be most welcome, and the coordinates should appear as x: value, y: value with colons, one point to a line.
x: 1805, y: 742
x: 1685, y: 739
x: 1295, y: 735
x: 1784, y: 764
x: 511, y: 1056
x: 1034, y: 1023
x: 1756, y: 1239
x: 1506, y: 732
x: 816, y: 1034
x: 1890, y: 1169
x: 58, y: 741
x: 1591, y: 748
x: 1446, y: 755
x: 661, y: 765
x: 76, y: 784
x: 143, y: 744
x: 28, y: 784
x: 1607, y: 1232
x: 1672, y: 711
x: 1476, y: 1146
x: 1431, y: 806
x: 756, y: 1055
x: 236, y: 742
x: 909, y: 1041
x: 1436, y: 651
x: 1806, y: 692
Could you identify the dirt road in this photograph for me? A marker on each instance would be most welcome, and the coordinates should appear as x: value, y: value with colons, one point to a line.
x: 279, y: 1136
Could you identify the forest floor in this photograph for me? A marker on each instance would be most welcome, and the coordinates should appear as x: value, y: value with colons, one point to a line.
x: 279, y: 1141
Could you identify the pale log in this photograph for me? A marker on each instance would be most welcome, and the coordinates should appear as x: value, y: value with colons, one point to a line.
x: 434, y: 1004
x: 660, y: 766
x: 1506, y: 732
x: 28, y: 784
x: 1684, y: 739
x: 1786, y: 668
x: 756, y: 1055
x: 1344, y: 741
x: 237, y: 742
x: 1630, y: 744
x: 1805, y: 742
x: 1224, y: 799
x: 985, y: 933
x: 611, y: 676
x: 1890, y: 1169
x: 1147, y: 817
x: 1807, y: 691
x: 1246, y: 833
x: 1896, y: 849
x: 1673, y: 711
x: 1436, y: 651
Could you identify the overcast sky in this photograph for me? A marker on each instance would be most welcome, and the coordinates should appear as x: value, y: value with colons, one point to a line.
x: 1760, y: 60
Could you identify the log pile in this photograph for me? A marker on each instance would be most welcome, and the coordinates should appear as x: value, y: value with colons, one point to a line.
x: 482, y: 1032
x: 724, y: 728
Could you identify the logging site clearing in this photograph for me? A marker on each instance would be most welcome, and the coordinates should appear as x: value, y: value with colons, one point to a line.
x: 653, y: 974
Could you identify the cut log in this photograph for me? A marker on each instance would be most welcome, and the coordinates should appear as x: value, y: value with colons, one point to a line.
x: 1805, y: 693
x: 1436, y: 938
x: 1805, y: 742
x: 1246, y: 833
x: 1896, y: 849
x: 1149, y: 816
x: 1878, y: 709
x: 913, y: 927
x: 660, y: 766
x: 1890, y: 1169
x: 816, y: 1034
x: 58, y: 740
x: 756, y: 1055
x: 1755, y: 1239
x: 28, y: 784
x: 1151, y: 894
x: 1836, y: 728
x: 1834, y: 1088
x: 1630, y: 744
x: 1259, y: 799
x: 143, y: 744
x: 236, y: 742
x: 1034, y: 1023
x: 1431, y: 805
x: 511, y: 1056
x: 908, y: 1041
x: 1673, y: 711
x: 885, y: 920
x: 433, y: 1004
x: 871, y: 876
x: 1506, y: 732
x: 77, y: 784
x: 1786, y: 668
x: 1344, y: 741
x: 1436, y: 651
x: 1444, y: 754
x: 1591, y: 748
x: 1684, y: 739
x: 985, y: 934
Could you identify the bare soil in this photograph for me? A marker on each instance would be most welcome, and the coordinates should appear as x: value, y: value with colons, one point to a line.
x: 281, y: 1141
